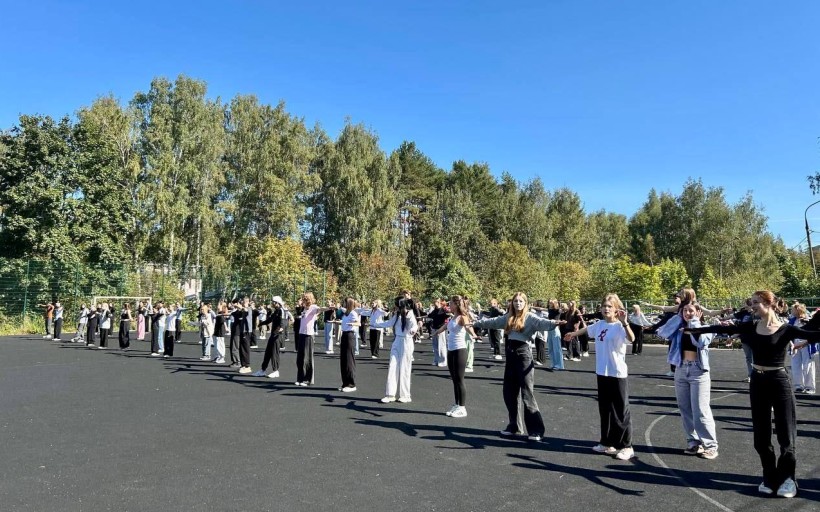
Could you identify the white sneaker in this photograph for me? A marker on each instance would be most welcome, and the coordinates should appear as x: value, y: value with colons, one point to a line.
x: 161, y: 351
x: 468, y: 370
x: 373, y: 357
x: 260, y: 373
x: 254, y: 346
x: 404, y: 400
x: 609, y: 450
x: 670, y: 374
x: 625, y: 453
x: 204, y: 358
x: 585, y: 354
x: 498, y: 357
x: 328, y: 352
x: 460, y: 412
x: 763, y: 489
x: 442, y: 365
x: 787, y: 489
x: 535, y: 438
x: 154, y: 354
x: 452, y: 408
x: 349, y: 389
x: 245, y: 369
x: 220, y: 361
x: 388, y: 399
x: 47, y: 337
x: 166, y: 356
x: 274, y: 375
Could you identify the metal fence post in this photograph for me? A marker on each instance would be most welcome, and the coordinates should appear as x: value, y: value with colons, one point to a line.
x: 25, y: 296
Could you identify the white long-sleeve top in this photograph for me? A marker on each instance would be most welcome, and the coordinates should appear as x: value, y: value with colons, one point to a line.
x: 639, y: 319
x: 376, y: 315
x: 394, y: 322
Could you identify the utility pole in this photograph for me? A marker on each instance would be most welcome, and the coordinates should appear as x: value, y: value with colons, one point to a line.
x: 808, y: 238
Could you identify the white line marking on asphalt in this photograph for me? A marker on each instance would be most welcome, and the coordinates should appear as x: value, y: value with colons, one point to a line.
x: 648, y: 438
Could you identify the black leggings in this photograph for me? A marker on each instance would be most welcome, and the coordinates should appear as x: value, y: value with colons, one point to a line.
x: 456, y: 363
x: 347, y: 361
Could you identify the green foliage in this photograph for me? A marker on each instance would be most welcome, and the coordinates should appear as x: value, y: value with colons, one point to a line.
x: 247, y: 197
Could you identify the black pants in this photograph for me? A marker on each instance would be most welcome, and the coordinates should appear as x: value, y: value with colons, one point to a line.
x: 495, y: 341
x: 456, y: 363
x: 375, y: 338
x: 124, y: 335
x: 304, y: 358
x: 236, y: 337
x: 155, y: 340
x: 178, y: 328
x: 58, y: 328
x: 104, y: 337
x: 169, y: 343
x: 584, y: 340
x: 637, y: 345
x: 347, y: 361
x: 518, y: 382
x: 363, y: 334
x: 540, y: 349
x: 769, y: 391
x: 272, y: 353
x: 245, y: 350
x: 573, y: 348
x: 252, y: 339
x: 613, y: 406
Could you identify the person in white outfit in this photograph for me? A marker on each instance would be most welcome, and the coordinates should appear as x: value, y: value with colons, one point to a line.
x: 803, y: 371
x: 404, y: 325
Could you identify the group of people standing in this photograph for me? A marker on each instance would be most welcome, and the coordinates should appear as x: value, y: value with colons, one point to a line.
x: 520, y: 326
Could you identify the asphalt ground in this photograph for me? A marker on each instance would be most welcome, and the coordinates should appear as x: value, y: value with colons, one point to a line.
x: 96, y: 430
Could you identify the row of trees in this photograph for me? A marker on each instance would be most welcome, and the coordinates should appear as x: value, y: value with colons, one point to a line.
x: 176, y: 177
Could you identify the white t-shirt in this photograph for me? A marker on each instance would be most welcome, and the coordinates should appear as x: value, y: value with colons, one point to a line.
x: 348, y: 320
x: 610, y: 348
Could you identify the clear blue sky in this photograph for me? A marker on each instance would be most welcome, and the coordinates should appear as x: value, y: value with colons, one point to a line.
x: 608, y: 98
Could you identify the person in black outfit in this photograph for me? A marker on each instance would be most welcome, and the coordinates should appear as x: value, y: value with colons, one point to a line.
x: 237, y: 332
x: 278, y: 323
x: 438, y: 317
x: 93, y: 321
x: 156, y: 317
x: 770, y: 389
x: 495, y: 334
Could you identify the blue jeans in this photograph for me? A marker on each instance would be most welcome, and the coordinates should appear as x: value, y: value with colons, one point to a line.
x: 554, y: 346
x: 161, y: 337
x: 693, y: 388
x: 206, y: 345
x: 329, y: 337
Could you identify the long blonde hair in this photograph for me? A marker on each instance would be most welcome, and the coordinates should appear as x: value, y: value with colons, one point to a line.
x: 516, y: 319
x: 308, y: 299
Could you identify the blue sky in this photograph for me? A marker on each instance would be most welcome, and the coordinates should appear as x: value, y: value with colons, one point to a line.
x: 608, y: 98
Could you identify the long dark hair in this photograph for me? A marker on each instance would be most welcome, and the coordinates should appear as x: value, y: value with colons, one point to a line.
x: 403, y: 306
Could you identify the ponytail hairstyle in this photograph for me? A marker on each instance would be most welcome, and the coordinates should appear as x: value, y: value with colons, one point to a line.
x: 517, y: 319
x: 461, y: 308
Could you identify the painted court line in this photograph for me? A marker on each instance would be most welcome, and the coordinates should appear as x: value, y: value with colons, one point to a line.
x: 648, y: 438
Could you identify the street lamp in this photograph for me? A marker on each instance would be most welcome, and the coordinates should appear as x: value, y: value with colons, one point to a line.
x: 808, y: 237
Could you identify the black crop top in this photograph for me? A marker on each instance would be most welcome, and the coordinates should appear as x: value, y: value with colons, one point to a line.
x: 767, y: 349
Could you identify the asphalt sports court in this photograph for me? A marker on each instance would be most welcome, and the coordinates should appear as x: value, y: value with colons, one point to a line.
x: 96, y: 430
